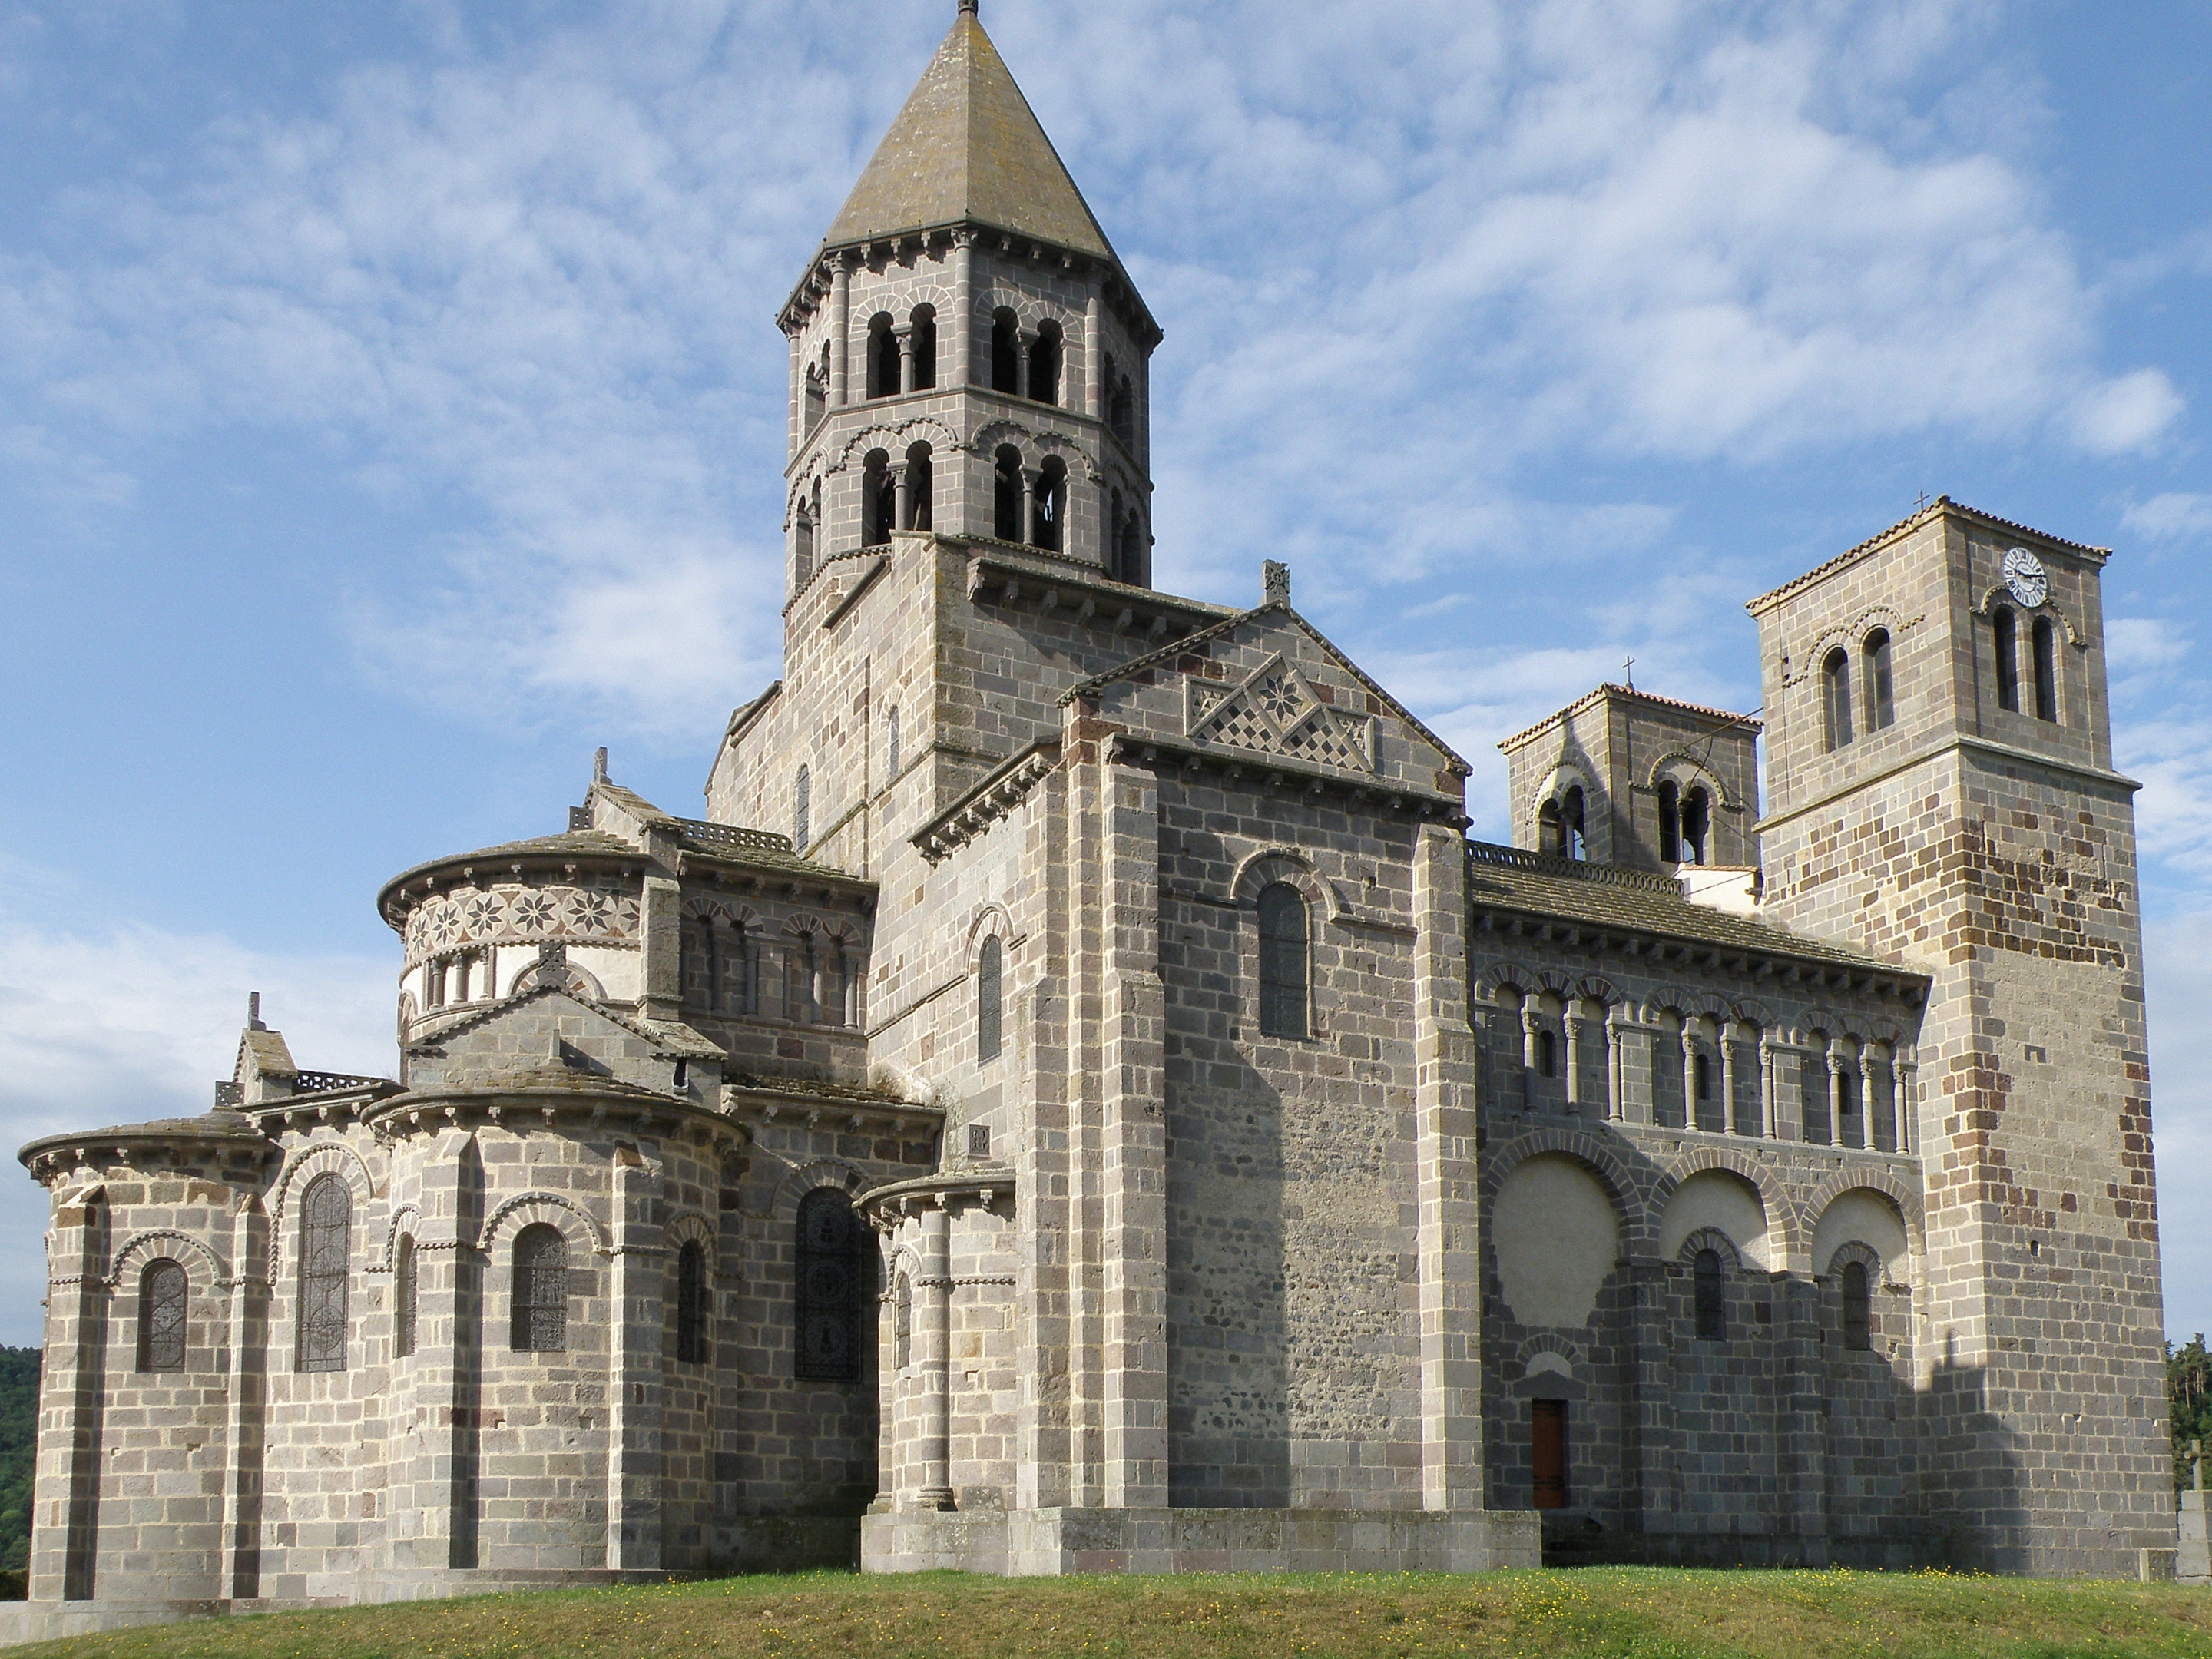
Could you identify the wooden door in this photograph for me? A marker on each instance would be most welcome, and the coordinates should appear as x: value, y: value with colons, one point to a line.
x: 1547, y: 1422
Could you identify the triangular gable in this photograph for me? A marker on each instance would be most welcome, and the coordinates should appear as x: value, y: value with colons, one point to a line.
x: 550, y: 1028
x: 1166, y: 655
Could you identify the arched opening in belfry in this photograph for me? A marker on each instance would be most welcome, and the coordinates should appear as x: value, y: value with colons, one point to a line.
x: 1836, y: 699
x: 1696, y: 823
x: 2043, y: 645
x: 878, y: 500
x: 882, y: 357
x: 2004, y: 637
x: 1573, y: 841
x: 1670, y: 822
x: 1005, y: 352
x: 919, y: 481
x: 921, y: 338
x: 816, y: 396
x: 1045, y: 357
x: 1007, y: 493
x: 1881, y: 710
x: 1049, y: 517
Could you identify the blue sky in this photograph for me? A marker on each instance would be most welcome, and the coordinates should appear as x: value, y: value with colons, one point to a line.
x: 390, y: 411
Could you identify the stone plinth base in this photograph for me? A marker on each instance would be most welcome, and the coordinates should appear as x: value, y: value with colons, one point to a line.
x: 1023, y: 1542
x: 2193, y: 1562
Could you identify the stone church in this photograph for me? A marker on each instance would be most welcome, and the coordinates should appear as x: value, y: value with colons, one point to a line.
x: 1076, y: 1099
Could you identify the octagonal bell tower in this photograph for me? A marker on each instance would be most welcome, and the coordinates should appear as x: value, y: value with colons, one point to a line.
x: 967, y: 353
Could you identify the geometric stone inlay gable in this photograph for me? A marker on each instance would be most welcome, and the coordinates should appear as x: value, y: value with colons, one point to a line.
x: 1273, y: 711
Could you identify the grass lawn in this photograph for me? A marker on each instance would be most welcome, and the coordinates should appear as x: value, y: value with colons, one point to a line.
x: 1631, y: 1613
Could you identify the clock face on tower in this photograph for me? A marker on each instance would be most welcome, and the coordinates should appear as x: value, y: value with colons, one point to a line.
x: 2024, y: 575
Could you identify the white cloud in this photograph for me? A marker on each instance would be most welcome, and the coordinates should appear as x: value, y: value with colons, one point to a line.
x: 2170, y: 518
x: 135, y: 1024
x: 2131, y: 413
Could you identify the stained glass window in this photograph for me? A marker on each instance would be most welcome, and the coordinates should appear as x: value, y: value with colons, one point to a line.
x: 540, y: 1319
x: 1282, y: 962
x: 1858, y: 1311
x: 988, y: 966
x: 829, y: 1288
x: 691, y: 1304
x: 402, y: 1296
x: 325, y: 1260
x: 1711, y: 1299
x: 163, y: 1292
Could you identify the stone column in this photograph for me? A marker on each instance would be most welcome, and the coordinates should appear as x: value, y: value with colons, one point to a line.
x: 963, y: 307
x: 905, y: 337
x: 1908, y: 1127
x: 841, y: 331
x: 1728, y: 1079
x: 1446, y: 1180
x: 1866, y: 1099
x: 1571, y: 1027
x: 1531, y: 1024
x: 72, y: 1387
x: 1839, y: 1094
x: 640, y: 1270
x: 932, y: 1339
x: 243, y: 1411
x: 1030, y: 478
x: 902, y: 497
x: 1094, y: 354
x: 436, y: 1530
x: 1689, y: 1076
x: 1768, y: 1125
x: 1615, y: 1106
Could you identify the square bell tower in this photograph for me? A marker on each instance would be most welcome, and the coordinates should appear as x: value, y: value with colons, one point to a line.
x: 1941, y: 792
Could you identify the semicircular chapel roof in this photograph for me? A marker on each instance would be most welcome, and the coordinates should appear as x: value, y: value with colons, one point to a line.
x: 966, y: 148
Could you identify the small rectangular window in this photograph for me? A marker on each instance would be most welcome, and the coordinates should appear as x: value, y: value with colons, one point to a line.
x: 979, y: 1140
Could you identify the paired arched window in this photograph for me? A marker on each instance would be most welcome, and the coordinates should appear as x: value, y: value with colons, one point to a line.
x: 1005, y: 353
x: 920, y: 488
x: 922, y: 333
x: 1836, y: 699
x: 1707, y: 1288
x: 2043, y: 645
x: 990, y: 965
x: 2004, y: 636
x: 1874, y: 655
x: 1858, y: 1309
x: 164, y: 1296
x: 691, y: 1303
x: 878, y: 500
x: 1049, y: 512
x: 403, y: 1297
x: 828, y: 1286
x: 802, y: 808
x: 882, y: 357
x: 325, y: 1260
x: 1670, y: 822
x: 1046, y: 352
x: 1696, y: 823
x: 1006, y: 494
x: 1283, y: 961
x: 724, y: 980
x: 538, y: 1309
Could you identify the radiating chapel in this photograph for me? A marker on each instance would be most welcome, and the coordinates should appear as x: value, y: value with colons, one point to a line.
x: 1076, y: 1097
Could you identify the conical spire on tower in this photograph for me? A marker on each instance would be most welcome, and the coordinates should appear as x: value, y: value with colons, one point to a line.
x: 967, y: 149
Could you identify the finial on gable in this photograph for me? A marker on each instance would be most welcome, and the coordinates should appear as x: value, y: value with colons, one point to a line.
x: 599, y: 766
x: 969, y: 6
x: 1274, y: 582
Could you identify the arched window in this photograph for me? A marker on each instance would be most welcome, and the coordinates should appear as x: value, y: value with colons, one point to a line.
x: 878, y: 500
x: 1670, y: 822
x: 1880, y: 709
x: 403, y: 1297
x: 691, y: 1304
x: 1701, y: 1080
x: 802, y: 808
x: 817, y: 397
x: 1712, y: 1303
x: 1697, y: 821
x: 924, y: 335
x: 1045, y: 354
x: 325, y: 1260
x: 164, y: 1292
x: 891, y: 745
x: 1005, y: 353
x: 1858, y: 1309
x: 918, y: 488
x: 2004, y: 637
x: 1283, y: 966
x: 1006, y: 494
x: 989, y: 964
x: 829, y: 1288
x: 1574, y: 838
x: 1836, y: 698
x: 742, y: 978
x: 1547, y: 1055
x: 1550, y: 837
x: 1133, y: 548
x: 882, y: 358
x: 2043, y: 643
x: 902, y: 1324
x: 538, y: 1312
x: 1122, y: 411
x: 1051, y: 505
